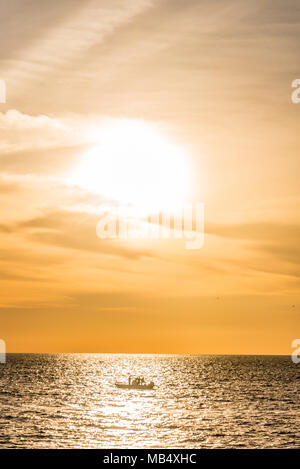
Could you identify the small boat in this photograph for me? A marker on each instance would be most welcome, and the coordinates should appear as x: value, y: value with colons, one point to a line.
x: 135, y: 386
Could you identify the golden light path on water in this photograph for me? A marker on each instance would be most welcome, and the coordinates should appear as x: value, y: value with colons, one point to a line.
x: 71, y: 401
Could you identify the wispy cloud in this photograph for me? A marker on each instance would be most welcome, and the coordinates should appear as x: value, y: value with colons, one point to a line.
x: 54, y: 46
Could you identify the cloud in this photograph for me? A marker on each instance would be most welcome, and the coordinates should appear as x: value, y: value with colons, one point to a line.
x: 72, y: 230
x: 256, y: 231
x: 22, y: 132
x: 75, y: 30
x: 270, y: 247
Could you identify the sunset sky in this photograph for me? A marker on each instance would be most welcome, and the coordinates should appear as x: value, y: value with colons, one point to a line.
x: 200, y: 88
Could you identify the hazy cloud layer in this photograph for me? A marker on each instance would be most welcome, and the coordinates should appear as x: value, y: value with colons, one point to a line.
x: 217, y: 74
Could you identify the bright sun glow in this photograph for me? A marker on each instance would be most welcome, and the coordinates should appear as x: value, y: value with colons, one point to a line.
x: 135, y: 163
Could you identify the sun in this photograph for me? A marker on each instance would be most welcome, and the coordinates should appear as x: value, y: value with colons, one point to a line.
x: 135, y: 162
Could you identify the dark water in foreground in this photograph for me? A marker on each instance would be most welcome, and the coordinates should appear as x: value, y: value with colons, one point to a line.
x: 70, y: 401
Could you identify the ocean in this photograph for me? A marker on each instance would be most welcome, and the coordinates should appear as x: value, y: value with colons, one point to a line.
x: 70, y: 401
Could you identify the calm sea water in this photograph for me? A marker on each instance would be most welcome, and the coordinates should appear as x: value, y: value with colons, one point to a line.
x: 70, y: 401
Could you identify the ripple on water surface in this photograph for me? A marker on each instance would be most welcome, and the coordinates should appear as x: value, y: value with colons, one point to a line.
x: 70, y: 401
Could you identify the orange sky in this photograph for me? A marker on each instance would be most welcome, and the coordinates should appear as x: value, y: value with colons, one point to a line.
x: 212, y: 81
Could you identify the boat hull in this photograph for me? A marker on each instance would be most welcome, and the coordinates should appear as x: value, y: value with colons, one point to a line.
x: 139, y: 387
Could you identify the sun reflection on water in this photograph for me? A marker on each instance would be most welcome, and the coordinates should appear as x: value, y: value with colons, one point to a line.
x: 70, y: 401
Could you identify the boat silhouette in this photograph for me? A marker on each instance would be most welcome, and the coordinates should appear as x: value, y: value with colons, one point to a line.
x: 135, y: 386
